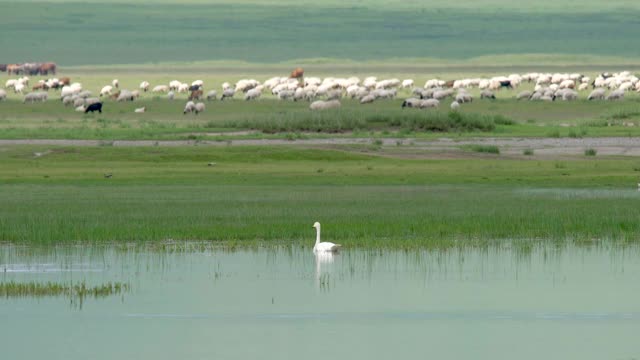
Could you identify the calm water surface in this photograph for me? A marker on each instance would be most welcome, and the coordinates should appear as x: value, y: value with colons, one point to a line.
x: 284, y: 303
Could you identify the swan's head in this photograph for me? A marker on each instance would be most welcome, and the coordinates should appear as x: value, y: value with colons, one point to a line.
x: 316, y: 225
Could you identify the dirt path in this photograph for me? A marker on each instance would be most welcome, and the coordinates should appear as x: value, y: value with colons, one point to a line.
x: 508, y: 146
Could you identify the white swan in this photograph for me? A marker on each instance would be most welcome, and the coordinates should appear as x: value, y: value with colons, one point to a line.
x: 323, y: 246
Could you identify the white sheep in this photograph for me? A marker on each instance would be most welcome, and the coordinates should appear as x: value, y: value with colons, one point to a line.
x: 252, y: 94
x: 428, y: 103
x: 212, y: 95
x: 523, y: 95
x: 174, y: 84
x: 18, y: 87
x: 189, y: 107
x: 80, y: 108
x: 616, y: 95
x: 285, y: 94
x: 597, y: 94
x: 106, y: 90
x: 463, y: 97
x: 367, y: 99
x: 198, y: 83
x: 35, y: 96
x: 160, y: 88
x: 115, y: 83
x: 144, y: 86
x: 455, y: 106
x: 411, y: 102
x: 3, y: 94
x: 171, y: 95
x: 199, y: 107
x: 487, y: 94
x: 125, y: 95
x: 140, y: 110
x: 228, y: 93
x: 324, y: 105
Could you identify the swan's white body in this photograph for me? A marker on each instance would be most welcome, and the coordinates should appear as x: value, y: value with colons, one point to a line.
x: 323, y: 246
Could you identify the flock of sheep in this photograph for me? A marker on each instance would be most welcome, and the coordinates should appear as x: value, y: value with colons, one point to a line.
x: 325, y: 93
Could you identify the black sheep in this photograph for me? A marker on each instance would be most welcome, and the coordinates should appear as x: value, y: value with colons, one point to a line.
x: 94, y: 107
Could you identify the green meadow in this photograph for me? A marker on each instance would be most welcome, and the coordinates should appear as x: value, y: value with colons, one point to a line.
x: 79, y: 33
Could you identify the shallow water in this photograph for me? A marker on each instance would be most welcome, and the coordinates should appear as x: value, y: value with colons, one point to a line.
x: 285, y: 303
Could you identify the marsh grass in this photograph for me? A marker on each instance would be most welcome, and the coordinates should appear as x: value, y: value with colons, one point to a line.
x: 356, y: 119
x: 77, y: 293
x: 489, y: 149
x: 272, y: 194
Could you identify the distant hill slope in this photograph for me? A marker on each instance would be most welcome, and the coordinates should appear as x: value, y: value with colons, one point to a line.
x: 100, y: 32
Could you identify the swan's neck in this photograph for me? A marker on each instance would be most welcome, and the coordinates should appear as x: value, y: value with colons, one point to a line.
x: 317, y: 235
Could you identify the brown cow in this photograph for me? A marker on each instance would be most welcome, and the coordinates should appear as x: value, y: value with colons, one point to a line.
x: 297, y: 73
x: 195, y: 95
x: 14, y: 69
x: 40, y: 86
x: 65, y: 81
x: 47, y: 68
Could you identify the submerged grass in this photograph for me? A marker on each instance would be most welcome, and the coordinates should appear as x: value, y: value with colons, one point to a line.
x: 77, y: 293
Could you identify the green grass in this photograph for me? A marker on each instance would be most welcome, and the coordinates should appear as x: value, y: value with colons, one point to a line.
x: 273, y: 194
x: 267, y: 117
x: 158, y: 31
x: 489, y: 149
x: 528, y: 152
x: 590, y: 152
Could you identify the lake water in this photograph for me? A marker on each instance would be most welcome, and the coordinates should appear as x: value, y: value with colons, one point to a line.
x: 285, y: 303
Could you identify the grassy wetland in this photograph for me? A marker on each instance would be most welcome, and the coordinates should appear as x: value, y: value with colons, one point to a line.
x: 366, y: 196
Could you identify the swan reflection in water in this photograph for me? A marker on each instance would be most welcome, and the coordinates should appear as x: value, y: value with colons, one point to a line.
x: 324, y: 264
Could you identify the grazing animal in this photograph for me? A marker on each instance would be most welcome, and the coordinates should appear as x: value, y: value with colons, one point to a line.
x: 212, y: 95
x: 324, y: 105
x: 228, y: 93
x: 47, y: 68
x: 506, y: 84
x: 3, y: 67
x: 189, y: 107
x: 320, y: 247
x: 195, y: 94
x: 140, y: 110
x: 488, y: 94
x: 455, y: 106
x: 94, y: 107
x: 297, y: 73
x: 199, y: 107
